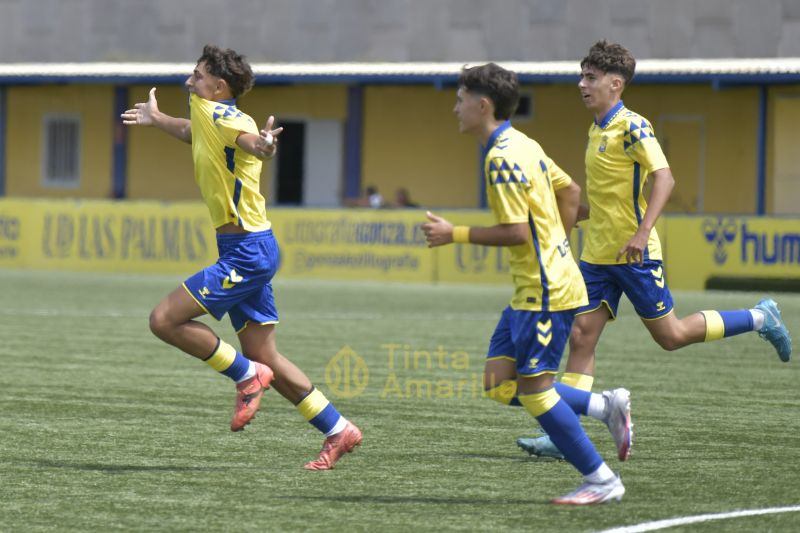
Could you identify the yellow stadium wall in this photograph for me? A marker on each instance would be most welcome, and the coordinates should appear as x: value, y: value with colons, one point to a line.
x: 559, y: 123
x: 411, y: 140
x: 27, y: 107
x: 355, y: 244
x: 729, y: 120
x: 159, y: 166
x: 783, y: 184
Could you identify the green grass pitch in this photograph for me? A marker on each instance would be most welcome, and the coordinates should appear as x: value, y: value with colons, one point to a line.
x: 105, y: 428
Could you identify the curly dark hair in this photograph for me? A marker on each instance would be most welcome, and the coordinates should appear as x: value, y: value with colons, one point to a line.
x: 611, y: 58
x: 501, y: 86
x: 230, y: 66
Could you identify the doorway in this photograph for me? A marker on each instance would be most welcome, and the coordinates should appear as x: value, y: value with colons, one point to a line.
x: 683, y: 140
x: 289, y: 186
x: 309, y: 167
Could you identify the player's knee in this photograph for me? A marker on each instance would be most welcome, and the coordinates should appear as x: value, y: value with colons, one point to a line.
x: 159, y: 324
x: 574, y: 341
x: 580, y: 339
x: 668, y: 341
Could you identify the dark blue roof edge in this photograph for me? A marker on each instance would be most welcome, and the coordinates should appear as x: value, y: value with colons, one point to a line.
x: 401, y: 79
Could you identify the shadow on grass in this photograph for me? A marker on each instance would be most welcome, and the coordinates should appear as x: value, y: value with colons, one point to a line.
x: 123, y: 469
x: 432, y: 500
x: 504, y: 457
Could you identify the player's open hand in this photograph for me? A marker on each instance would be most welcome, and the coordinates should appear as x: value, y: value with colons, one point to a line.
x: 142, y: 113
x: 268, y: 140
x: 633, y: 251
x: 438, y: 231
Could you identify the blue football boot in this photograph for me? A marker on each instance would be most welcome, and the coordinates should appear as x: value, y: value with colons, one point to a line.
x: 540, y: 446
x: 774, y: 330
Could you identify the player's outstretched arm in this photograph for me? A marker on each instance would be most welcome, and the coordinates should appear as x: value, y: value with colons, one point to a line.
x: 262, y: 146
x: 147, y: 114
x: 439, y: 231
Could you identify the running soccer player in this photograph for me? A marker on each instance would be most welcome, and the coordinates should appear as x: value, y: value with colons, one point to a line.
x: 527, y: 193
x: 228, y: 150
x: 622, y: 253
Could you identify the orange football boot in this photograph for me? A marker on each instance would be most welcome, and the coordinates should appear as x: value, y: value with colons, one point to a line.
x: 248, y: 396
x: 335, y: 447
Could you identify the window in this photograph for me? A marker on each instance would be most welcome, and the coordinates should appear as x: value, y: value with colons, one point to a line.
x: 524, y: 108
x: 61, y: 151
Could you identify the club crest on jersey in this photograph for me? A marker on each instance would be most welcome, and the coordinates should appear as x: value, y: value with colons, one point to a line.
x: 603, y: 143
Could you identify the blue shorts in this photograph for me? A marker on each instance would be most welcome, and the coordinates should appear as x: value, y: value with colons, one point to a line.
x: 239, y: 283
x: 534, y: 339
x: 645, y: 286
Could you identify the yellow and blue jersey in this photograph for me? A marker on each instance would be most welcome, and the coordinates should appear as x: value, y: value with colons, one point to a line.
x: 621, y: 152
x: 228, y: 176
x: 521, y: 181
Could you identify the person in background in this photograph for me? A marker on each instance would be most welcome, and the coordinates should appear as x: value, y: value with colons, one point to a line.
x: 371, y: 198
x: 374, y: 198
x: 403, y: 199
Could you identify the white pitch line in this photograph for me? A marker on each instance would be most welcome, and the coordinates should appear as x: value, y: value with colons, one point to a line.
x: 672, y: 522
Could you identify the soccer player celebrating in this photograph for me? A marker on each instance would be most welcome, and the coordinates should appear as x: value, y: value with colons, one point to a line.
x: 530, y: 196
x: 622, y: 253
x: 228, y: 150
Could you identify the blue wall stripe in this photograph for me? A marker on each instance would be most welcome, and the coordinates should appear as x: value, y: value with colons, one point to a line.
x: 483, y: 179
x: 353, y: 139
x: 761, y: 151
x: 437, y: 80
x: 119, y: 156
x: 3, y: 121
